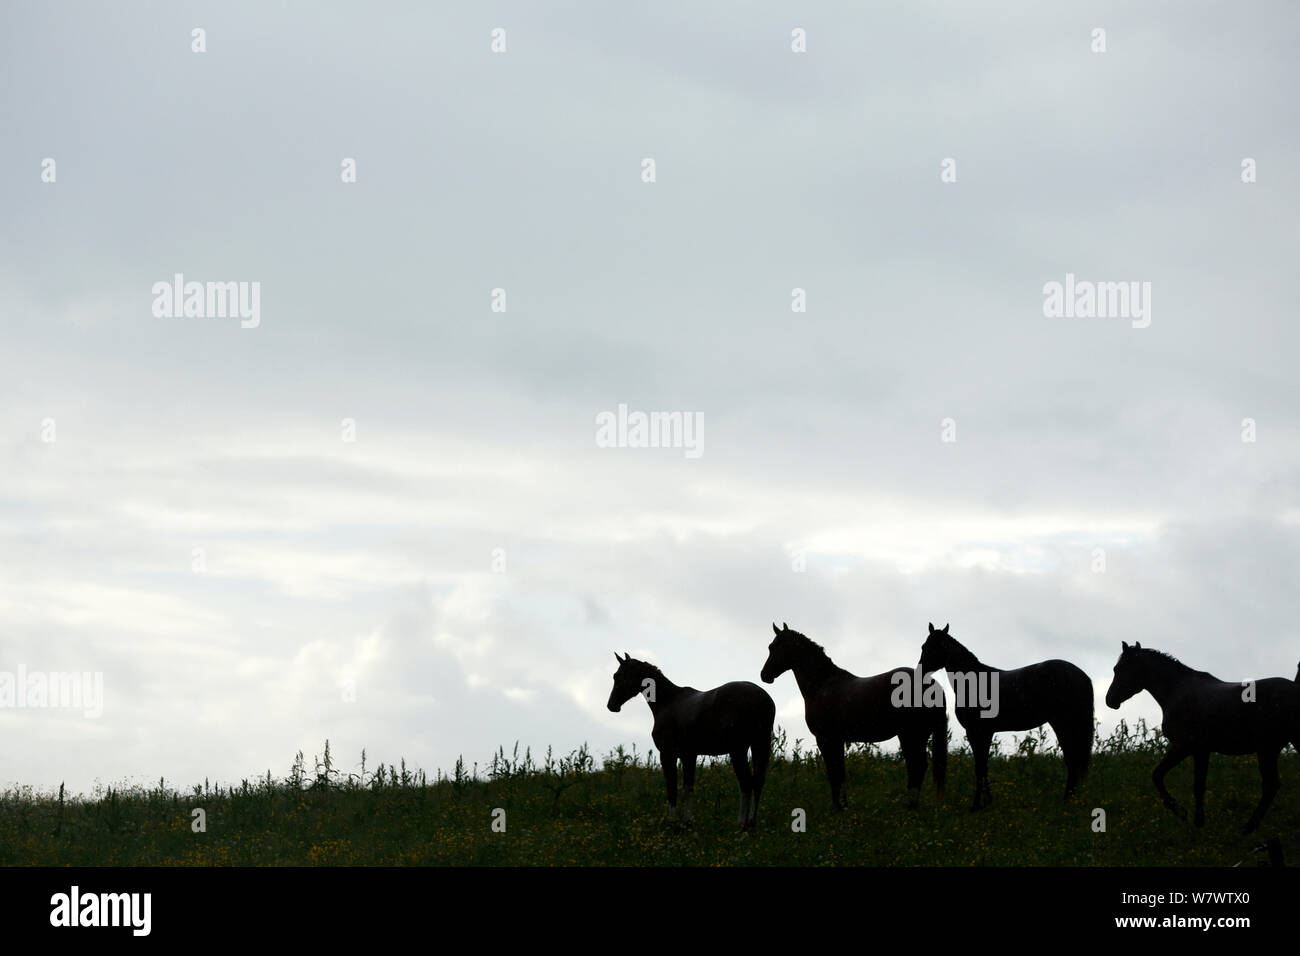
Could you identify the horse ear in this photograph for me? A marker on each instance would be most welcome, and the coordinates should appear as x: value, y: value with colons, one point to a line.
x: 1138, y: 645
x: 945, y: 628
x: 1123, y: 645
x: 776, y: 630
x: 931, y: 623
x: 785, y: 626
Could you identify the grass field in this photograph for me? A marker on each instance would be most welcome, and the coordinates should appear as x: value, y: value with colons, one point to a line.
x: 577, y: 810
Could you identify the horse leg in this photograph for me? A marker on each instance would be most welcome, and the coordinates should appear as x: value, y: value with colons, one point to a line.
x: 1069, y: 750
x: 740, y: 764
x: 833, y: 755
x: 1268, y: 771
x: 939, y: 753
x: 914, y: 756
x: 688, y: 778
x: 1172, y: 758
x: 762, y: 753
x: 1201, y: 767
x: 979, y: 745
x: 669, y: 761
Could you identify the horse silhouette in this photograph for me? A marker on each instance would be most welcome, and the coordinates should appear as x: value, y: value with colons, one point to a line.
x: 1051, y: 692
x: 842, y: 708
x: 1204, y: 715
x: 732, y: 719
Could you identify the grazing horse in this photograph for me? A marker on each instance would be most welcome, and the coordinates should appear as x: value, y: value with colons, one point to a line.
x: 989, y: 700
x: 732, y: 719
x: 1204, y: 715
x: 843, y: 708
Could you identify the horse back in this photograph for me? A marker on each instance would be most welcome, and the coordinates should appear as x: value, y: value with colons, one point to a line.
x: 723, y: 720
x: 1050, y: 679
x: 1234, y: 718
x: 1027, y: 697
x: 871, y: 709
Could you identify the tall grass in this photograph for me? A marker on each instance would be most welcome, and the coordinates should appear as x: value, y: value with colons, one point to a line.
x: 577, y: 809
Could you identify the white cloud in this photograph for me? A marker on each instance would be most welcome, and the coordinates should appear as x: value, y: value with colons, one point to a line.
x: 371, y: 561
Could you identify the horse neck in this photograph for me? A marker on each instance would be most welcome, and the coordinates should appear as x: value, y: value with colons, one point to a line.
x: 1163, y: 676
x: 812, y: 670
x: 961, y: 659
x: 665, y: 693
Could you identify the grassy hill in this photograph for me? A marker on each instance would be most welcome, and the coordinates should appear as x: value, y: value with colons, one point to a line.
x: 576, y: 810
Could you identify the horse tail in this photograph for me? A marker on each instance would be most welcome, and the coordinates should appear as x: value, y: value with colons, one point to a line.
x: 762, y: 753
x: 762, y: 746
x: 939, y: 750
x: 1085, y: 731
x: 1295, y: 741
x: 1086, y: 736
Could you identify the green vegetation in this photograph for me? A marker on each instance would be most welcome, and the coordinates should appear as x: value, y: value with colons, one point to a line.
x: 576, y: 810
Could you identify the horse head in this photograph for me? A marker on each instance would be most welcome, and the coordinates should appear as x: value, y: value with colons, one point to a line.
x: 627, y: 680
x: 781, y: 652
x: 1129, y: 675
x: 937, y: 650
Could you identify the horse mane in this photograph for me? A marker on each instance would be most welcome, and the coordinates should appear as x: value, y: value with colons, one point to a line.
x: 809, y: 646
x: 963, y: 649
x: 653, y: 669
x: 1168, y: 658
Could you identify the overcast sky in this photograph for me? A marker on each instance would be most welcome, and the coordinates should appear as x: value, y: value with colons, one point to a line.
x: 321, y: 560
